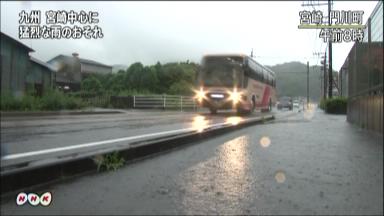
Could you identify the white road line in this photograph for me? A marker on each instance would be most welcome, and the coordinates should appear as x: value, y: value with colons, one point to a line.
x: 53, y: 150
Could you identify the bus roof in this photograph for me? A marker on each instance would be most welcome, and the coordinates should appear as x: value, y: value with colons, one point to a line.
x: 272, y: 73
x: 226, y: 54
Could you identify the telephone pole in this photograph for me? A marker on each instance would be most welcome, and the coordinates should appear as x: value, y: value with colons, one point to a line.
x: 325, y: 76
x: 307, y: 84
x: 323, y: 82
x: 330, y: 74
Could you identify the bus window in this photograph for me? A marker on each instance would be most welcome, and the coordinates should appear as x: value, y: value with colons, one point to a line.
x: 222, y: 71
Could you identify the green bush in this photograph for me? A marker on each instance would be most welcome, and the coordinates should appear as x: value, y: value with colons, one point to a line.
x: 74, y: 103
x: 8, y: 102
x: 51, y: 100
x: 131, y: 92
x: 29, y: 103
x: 24, y: 103
x: 335, y: 105
x: 181, y: 88
x: 322, y: 104
x: 91, y: 84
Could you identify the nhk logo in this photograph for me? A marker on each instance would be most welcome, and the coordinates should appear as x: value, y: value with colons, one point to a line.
x: 45, y: 199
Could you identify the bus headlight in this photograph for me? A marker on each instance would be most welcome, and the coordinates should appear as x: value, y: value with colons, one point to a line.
x: 200, y: 95
x: 235, y: 96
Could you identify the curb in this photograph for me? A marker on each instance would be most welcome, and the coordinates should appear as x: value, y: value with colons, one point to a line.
x: 67, y: 167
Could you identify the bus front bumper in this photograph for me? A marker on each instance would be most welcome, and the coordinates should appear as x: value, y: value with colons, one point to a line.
x: 224, y: 104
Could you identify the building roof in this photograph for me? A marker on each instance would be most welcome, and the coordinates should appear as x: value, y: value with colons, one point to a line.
x: 43, y: 64
x: 17, y: 42
x: 84, y: 61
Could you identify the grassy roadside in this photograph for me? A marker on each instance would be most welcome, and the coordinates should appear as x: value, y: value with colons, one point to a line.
x: 52, y: 100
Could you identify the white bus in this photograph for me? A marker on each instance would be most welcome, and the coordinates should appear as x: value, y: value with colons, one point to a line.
x: 235, y: 82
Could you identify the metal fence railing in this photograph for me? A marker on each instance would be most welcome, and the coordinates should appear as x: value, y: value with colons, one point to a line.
x: 164, y: 102
x: 97, y: 101
x: 175, y: 102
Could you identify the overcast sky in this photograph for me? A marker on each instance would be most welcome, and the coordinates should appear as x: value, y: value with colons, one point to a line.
x: 177, y: 31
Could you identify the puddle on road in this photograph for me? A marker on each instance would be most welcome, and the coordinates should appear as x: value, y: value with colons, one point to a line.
x: 234, y: 120
x: 221, y: 182
x: 199, y: 123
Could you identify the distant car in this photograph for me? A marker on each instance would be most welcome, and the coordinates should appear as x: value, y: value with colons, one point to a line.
x: 296, y: 103
x: 285, y: 102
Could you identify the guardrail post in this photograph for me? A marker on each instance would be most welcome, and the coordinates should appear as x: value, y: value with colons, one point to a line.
x: 134, y: 101
x: 164, y: 102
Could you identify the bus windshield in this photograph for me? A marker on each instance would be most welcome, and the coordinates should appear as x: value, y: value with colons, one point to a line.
x: 222, y: 72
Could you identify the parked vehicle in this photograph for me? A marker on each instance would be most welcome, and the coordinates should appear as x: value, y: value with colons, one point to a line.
x: 285, y: 102
x: 296, y: 104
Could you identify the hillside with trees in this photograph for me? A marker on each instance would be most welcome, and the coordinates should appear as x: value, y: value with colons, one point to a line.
x: 291, y: 80
x: 178, y: 78
x: 170, y: 78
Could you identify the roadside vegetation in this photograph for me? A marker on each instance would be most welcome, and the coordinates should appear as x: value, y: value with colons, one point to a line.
x: 96, y: 90
x: 51, y: 100
x: 335, y: 105
x: 170, y: 78
x: 111, y: 161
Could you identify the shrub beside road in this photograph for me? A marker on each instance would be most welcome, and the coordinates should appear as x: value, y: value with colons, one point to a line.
x: 336, y: 105
x: 51, y: 100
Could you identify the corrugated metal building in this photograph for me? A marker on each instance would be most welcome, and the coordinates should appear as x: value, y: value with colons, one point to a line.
x: 362, y: 76
x: 19, y: 71
x: 40, y: 76
x: 71, y: 70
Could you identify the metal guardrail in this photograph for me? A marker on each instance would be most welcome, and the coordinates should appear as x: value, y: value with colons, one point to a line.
x: 164, y: 102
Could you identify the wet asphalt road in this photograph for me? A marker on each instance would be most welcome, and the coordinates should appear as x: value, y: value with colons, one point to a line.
x: 24, y: 134
x: 309, y: 163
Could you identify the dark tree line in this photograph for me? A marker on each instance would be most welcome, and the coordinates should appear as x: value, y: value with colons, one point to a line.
x: 170, y: 78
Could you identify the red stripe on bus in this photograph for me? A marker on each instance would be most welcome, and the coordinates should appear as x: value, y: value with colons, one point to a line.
x: 266, y: 96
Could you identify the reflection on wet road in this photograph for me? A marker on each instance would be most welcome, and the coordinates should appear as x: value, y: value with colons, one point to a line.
x: 21, y: 135
x: 223, y: 178
x: 297, y: 166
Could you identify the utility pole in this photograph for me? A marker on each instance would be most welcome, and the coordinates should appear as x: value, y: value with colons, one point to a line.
x: 330, y: 74
x: 341, y: 81
x: 325, y: 76
x: 321, y: 85
x: 307, y: 84
x: 252, y: 53
x: 322, y: 68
